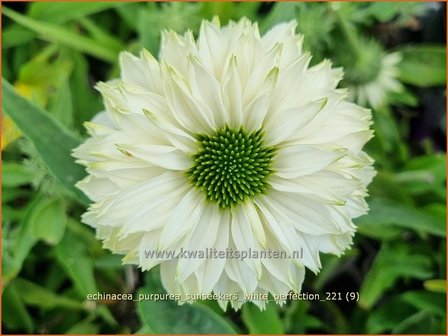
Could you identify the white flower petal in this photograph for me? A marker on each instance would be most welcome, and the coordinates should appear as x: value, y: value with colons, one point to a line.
x: 143, y: 71
x: 243, y: 237
x: 162, y: 156
x: 212, y: 269
x: 242, y: 274
x: 184, y: 218
x: 300, y: 212
x: 232, y: 94
x: 255, y: 112
x: 175, y: 49
x: 305, y: 185
x: 206, y: 89
x: 200, y: 239
x: 279, y: 32
x: 183, y: 105
x: 116, y: 209
x: 299, y: 160
x: 283, y: 231
x: 97, y: 188
x: 148, y: 244
x: 212, y: 48
x: 285, y: 123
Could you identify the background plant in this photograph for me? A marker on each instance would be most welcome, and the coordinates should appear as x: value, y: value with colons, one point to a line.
x: 53, y: 53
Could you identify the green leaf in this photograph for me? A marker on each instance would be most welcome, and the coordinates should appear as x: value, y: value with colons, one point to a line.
x: 109, y: 261
x: 423, y: 65
x: 178, y: 16
x: 281, y: 11
x: 11, y: 214
x: 386, y: 11
x: 90, y: 103
x: 427, y: 301
x: 9, y: 195
x: 262, y: 322
x: 391, y: 264
x: 418, y: 323
x: 403, y: 97
x: 148, y: 38
x: 435, y: 285
x: 384, y: 212
x: 15, y: 35
x: 129, y: 12
x: 50, y: 221
x: 36, y: 295
x: 100, y: 35
x: 385, y: 186
x: 44, y: 73
x: 61, y: 12
x: 388, y: 315
x: 71, y: 255
x: 15, y: 174
x: 53, y: 142
x: 424, y: 174
x: 55, y: 33
x: 62, y: 105
x: 190, y: 318
x: 298, y: 319
x: 24, y: 242
x: 14, y: 314
x: 332, y: 265
x: 144, y: 331
x: 84, y: 327
x: 380, y: 232
x: 437, y: 210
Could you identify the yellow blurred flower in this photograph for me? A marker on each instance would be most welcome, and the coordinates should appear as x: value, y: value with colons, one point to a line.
x: 10, y: 132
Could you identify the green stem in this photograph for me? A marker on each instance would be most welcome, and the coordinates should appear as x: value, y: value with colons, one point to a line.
x: 349, y: 34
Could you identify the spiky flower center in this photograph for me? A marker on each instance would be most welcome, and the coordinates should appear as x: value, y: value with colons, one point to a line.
x: 231, y: 165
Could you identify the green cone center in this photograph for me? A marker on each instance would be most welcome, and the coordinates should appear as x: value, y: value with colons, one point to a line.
x: 231, y: 165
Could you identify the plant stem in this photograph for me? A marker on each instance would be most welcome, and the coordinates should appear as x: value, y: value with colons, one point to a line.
x: 349, y: 34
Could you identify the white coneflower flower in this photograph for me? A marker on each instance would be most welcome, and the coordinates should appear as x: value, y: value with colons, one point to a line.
x: 227, y: 142
x: 374, y: 93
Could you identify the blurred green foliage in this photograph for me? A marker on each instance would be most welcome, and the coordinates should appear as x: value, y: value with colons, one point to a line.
x: 53, y: 53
